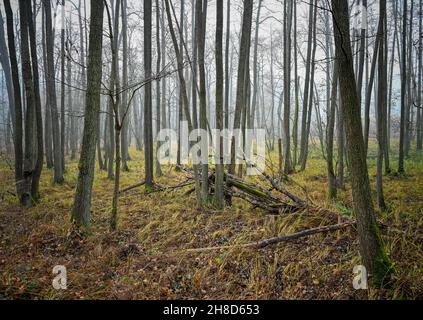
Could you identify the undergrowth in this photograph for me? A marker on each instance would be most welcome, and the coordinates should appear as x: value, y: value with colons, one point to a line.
x: 143, y: 259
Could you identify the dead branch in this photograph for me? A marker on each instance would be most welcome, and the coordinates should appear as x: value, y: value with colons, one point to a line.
x: 267, y: 242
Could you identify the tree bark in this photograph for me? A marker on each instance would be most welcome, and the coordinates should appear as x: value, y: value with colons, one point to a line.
x: 371, y: 246
x: 82, y: 203
x: 51, y: 89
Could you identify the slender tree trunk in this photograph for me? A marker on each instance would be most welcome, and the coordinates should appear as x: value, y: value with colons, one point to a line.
x: 297, y: 83
x: 311, y: 96
x: 158, y: 97
x: 370, y: 87
x: 227, y: 78
x: 244, y: 55
x: 201, y: 8
x: 51, y: 89
x: 29, y: 154
x: 82, y: 203
x: 48, y: 141
x: 419, y: 122
x: 18, y: 147
x: 403, y: 91
x: 35, y: 194
x: 380, y: 106
x: 307, y: 85
x: 62, y: 87
x: 371, y: 246
x: 287, y: 92
x: 125, y: 123
x: 219, y: 199
x: 148, y: 117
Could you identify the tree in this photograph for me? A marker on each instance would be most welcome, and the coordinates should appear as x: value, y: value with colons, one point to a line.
x: 219, y: 104
x: 17, y: 101
x: 51, y: 91
x: 36, y: 175
x: 381, y: 104
x: 30, y: 105
x: 307, y: 85
x: 255, y: 65
x: 371, y: 246
x: 148, y: 117
x: 125, y: 123
x: 62, y: 85
x: 419, y: 122
x: 82, y: 203
x: 158, y: 93
x: 243, y: 70
x: 200, y: 17
x: 287, y: 91
x: 403, y: 91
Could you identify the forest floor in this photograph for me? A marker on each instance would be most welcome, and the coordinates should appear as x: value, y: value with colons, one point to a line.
x: 144, y: 258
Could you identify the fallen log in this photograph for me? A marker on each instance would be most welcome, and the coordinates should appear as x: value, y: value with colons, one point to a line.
x: 267, y: 242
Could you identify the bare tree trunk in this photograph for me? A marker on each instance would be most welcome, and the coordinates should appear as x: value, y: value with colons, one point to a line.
x: 30, y: 106
x: 17, y: 100
x: 227, y: 78
x: 381, y: 105
x: 125, y: 123
x: 244, y: 56
x: 371, y: 246
x: 362, y: 50
x: 148, y: 117
x: 403, y: 92
x: 287, y: 92
x: 158, y: 97
x: 255, y: 65
x: 395, y: 6
x: 370, y: 87
x: 62, y: 87
x: 297, y: 83
x: 419, y: 122
x: 219, y: 199
x: 311, y: 96
x: 82, y: 203
x: 48, y: 140
x: 307, y: 85
x: 201, y: 9
x: 51, y: 89
x: 409, y: 103
x: 35, y: 194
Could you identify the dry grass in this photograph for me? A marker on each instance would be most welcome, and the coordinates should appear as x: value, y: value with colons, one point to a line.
x: 140, y: 261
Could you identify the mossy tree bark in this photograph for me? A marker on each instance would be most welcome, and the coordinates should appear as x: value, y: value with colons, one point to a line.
x: 371, y: 246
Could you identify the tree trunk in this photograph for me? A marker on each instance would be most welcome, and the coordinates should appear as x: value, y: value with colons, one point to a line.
x: 381, y: 94
x: 51, y: 89
x: 371, y: 246
x: 219, y: 198
x: 148, y: 117
x: 307, y: 85
x: 201, y: 9
x: 125, y: 123
x: 82, y: 203
x: 17, y: 100
x: 403, y: 91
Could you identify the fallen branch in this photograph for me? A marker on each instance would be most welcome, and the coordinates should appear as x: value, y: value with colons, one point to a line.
x: 132, y: 187
x: 267, y: 242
